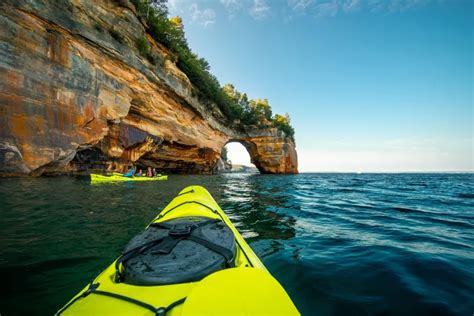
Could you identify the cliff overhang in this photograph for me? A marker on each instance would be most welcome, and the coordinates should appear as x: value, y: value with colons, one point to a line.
x: 75, y: 96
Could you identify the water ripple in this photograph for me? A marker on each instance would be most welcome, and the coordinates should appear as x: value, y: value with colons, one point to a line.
x: 341, y: 244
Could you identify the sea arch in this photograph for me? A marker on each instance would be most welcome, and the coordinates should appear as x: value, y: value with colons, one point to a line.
x: 237, y: 153
x: 269, y: 151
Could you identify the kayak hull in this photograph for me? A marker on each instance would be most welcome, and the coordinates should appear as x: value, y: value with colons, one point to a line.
x: 98, y: 178
x: 245, y: 289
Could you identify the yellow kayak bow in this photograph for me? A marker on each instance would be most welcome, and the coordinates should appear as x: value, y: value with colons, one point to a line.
x: 141, y: 280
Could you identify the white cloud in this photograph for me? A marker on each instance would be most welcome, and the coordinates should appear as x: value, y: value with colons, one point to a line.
x: 175, y: 7
x: 331, y: 8
x: 231, y: 5
x: 191, y: 11
x: 259, y: 10
x: 351, y: 5
x: 375, y: 6
x: 326, y: 9
x: 300, y: 6
x: 203, y: 17
x: 404, y: 5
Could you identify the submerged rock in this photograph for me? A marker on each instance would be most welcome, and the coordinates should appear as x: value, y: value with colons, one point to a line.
x: 73, y: 97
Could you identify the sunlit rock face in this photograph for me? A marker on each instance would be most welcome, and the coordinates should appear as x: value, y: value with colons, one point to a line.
x: 270, y: 152
x: 75, y: 97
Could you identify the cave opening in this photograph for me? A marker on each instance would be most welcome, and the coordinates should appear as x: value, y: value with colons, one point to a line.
x: 93, y: 160
x: 236, y: 158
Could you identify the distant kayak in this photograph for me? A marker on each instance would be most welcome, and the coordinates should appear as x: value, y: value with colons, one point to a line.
x: 117, y: 177
x: 189, y: 261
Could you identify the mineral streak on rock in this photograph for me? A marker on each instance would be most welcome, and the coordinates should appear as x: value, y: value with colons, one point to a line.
x: 73, y: 97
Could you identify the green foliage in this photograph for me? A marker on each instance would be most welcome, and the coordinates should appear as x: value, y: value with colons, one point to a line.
x: 164, y: 30
x: 249, y: 112
x: 261, y: 109
x: 238, y: 109
x: 282, y: 122
x: 143, y: 46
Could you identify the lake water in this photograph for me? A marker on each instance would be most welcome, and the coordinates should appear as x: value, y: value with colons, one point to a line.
x: 340, y: 244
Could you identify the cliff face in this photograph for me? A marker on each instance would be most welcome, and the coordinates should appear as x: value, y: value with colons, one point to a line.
x: 76, y: 94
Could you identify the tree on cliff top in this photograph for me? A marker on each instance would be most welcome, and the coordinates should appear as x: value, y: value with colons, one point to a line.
x: 159, y: 5
x: 283, y: 123
x: 258, y: 112
x: 262, y: 109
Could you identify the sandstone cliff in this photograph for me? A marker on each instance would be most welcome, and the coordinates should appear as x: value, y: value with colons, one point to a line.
x: 75, y: 94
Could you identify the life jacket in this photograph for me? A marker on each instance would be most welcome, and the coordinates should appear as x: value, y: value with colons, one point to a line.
x: 129, y: 173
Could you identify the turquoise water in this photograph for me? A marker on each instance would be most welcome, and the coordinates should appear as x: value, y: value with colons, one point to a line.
x: 341, y: 244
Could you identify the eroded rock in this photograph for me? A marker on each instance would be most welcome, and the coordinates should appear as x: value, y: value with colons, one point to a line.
x: 73, y: 98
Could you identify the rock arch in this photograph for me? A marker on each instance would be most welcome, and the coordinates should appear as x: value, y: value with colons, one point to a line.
x: 249, y: 147
x: 269, y: 151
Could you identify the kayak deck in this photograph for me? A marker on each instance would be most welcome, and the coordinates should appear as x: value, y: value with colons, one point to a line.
x: 245, y: 289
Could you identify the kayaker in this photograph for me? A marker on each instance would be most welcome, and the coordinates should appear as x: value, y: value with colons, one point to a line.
x: 130, y: 172
x: 149, y: 173
x: 139, y: 173
x: 154, y: 172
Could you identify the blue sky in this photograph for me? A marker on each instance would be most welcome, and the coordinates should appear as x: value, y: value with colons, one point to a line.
x: 370, y: 85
